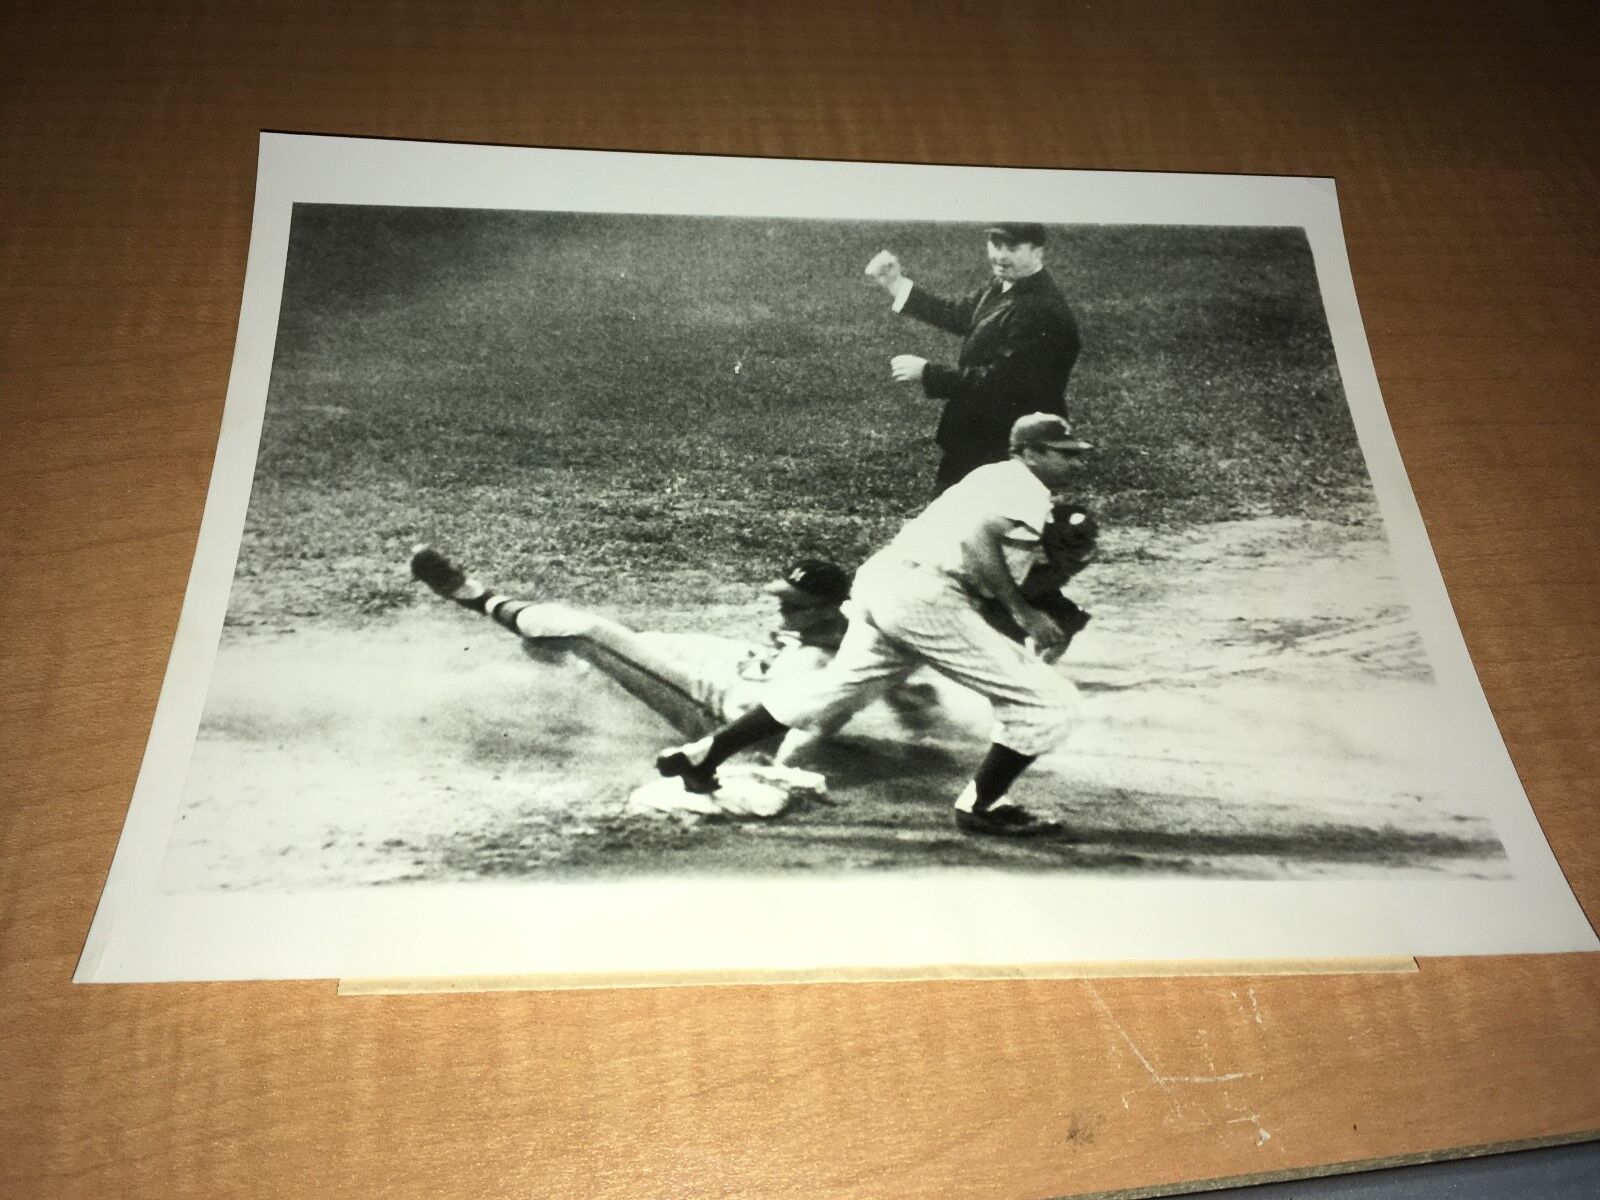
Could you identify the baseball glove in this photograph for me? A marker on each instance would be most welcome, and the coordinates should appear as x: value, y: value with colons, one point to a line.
x: 1054, y: 605
x: 1069, y: 540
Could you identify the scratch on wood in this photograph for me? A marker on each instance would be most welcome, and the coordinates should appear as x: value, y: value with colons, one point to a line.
x: 1162, y: 1081
x: 1210, y: 1078
x: 1262, y: 1136
x: 1128, y: 1041
x: 1255, y: 1009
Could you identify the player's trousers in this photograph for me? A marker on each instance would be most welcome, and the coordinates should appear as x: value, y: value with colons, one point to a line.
x: 906, y: 616
x: 693, y: 681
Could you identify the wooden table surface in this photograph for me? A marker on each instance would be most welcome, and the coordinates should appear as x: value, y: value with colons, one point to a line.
x: 1463, y: 140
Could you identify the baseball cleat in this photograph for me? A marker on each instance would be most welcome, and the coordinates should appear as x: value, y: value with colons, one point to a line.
x: 679, y: 763
x: 1006, y: 820
x: 438, y: 572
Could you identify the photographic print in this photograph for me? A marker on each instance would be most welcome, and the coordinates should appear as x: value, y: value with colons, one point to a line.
x: 630, y: 563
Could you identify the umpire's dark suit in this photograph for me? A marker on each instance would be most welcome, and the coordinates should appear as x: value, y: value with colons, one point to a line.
x: 1018, y: 350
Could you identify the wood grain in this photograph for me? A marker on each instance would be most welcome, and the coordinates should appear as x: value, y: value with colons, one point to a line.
x: 1463, y: 140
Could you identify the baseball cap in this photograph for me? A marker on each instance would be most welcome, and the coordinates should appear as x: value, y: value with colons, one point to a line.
x: 812, y: 579
x: 1018, y: 231
x: 1045, y: 429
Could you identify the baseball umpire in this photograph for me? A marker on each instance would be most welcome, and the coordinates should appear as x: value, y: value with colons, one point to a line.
x: 1019, y: 344
x: 921, y: 600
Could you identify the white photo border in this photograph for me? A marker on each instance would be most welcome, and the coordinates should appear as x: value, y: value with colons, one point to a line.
x: 808, y: 925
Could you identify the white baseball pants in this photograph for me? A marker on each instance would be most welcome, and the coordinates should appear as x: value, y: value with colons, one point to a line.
x: 906, y: 616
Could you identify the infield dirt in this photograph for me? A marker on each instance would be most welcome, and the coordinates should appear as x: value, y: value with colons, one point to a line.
x: 1249, y: 710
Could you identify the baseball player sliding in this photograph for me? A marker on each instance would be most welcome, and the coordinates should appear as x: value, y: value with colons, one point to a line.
x: 921, y: 600
x: 693, y: 681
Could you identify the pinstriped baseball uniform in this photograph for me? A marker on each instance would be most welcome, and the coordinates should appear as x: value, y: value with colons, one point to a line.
x: 915, y: 603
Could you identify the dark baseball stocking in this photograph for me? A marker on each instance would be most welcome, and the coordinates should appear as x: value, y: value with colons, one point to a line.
x: 997, y: 772
x: 757, y: 725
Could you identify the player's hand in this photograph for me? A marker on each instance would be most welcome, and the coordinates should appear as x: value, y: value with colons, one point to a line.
x: 1049, y: 639
x: 906, y: 368
x: 884, y: 270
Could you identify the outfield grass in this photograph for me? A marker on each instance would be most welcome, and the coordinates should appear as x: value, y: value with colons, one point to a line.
x: 640, y: 410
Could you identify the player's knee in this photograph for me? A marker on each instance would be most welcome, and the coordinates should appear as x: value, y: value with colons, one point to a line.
x: 808, y: 710
x: 555, y: 620
x: 1043, y: 724
x: 1058, y: 720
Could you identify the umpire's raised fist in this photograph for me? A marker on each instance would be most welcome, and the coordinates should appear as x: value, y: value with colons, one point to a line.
x: 884, y: 270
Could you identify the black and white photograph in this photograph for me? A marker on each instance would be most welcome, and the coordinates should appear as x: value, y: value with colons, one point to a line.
x: 846, y: 567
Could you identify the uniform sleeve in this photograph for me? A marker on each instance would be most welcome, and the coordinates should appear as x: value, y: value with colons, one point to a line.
x: 1009, y: 491
x: 1022, y: 544
x: 952, y: 316
x: 1022, y: 551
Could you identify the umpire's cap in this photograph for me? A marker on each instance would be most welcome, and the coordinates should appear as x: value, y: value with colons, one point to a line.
x: 1045, y: 429
x: 812, y: 581
x: 1013, y: 232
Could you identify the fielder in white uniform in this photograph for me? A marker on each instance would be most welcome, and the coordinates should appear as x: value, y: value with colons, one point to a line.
x: 916, y: 602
